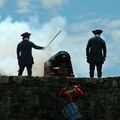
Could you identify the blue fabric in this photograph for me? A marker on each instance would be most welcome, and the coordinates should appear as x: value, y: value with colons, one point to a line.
x: 71, y: 112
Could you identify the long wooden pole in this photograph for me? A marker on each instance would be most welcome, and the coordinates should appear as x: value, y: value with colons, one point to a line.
x: 53, y: 39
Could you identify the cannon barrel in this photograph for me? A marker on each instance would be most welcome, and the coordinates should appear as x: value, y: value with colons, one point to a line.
x: 59, y: 65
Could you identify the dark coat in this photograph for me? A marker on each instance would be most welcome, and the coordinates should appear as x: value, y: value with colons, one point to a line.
x: 24, y: 52
x: 96, y: 50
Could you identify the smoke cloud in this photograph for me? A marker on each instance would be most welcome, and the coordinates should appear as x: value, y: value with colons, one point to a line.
x: 10, y: 36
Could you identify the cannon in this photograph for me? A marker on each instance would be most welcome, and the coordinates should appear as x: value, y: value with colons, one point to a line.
x: 59, y: 65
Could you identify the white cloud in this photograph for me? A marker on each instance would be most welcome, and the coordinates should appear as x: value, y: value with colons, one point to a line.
x: 27, y: 6
x: 24, y: 6
x: 2, y: 3
x: 75, y: 43
x: 53, y: 3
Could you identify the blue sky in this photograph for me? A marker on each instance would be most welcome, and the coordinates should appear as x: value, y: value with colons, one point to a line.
x: 44, y: 18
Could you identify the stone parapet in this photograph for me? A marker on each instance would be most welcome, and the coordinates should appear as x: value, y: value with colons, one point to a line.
x: 35, y: 98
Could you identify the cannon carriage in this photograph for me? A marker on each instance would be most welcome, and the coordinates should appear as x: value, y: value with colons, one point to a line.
x: 59, y: 65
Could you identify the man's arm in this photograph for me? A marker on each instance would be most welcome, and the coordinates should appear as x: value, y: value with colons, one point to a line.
x: 104, y: 50
x: 37, y: 47
x: 88, y: 48
x: 18, y: 52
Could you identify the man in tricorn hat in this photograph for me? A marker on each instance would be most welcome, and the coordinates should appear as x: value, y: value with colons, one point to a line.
x: 96, y: 53
x: 24, y: 53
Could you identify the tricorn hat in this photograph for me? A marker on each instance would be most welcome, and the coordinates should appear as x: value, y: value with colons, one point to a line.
x: 26, y: 34
x: 97, y: 31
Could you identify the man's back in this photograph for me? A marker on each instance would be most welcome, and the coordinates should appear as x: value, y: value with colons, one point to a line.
x: 26, y: 48
x: 24, y: 51
x: 96, y: 49
x: 97, y: 44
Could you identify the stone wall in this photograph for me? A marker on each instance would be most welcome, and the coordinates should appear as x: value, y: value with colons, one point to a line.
x: 35, y: 98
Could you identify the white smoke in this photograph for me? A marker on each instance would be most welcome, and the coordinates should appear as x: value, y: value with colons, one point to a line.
x: 10, y: 36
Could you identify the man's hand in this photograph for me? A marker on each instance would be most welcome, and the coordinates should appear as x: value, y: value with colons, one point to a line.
x: 44, y: 48
x: 103, y: 60
x: 88, y: 60
x: 18, y: 61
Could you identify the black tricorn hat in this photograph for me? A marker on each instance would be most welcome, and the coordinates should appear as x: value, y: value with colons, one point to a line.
x: 26, y: 34
x: 97, y: 31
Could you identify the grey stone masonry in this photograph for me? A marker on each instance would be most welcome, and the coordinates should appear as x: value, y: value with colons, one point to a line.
x: 36, y: 98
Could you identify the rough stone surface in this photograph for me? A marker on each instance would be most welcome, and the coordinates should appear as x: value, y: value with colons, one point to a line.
x: 35, y: 98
